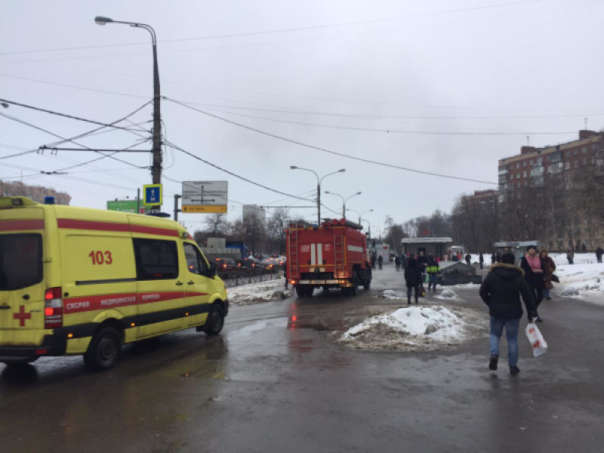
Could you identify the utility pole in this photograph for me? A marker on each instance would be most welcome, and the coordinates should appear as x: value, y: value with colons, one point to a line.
x: 156, y: 147
x: 157, y: 157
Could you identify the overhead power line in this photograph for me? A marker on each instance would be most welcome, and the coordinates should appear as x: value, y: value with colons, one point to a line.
x: 224, y: 170
x: 63, y: 139
x: 74, y: 117
x: 329, y: 151
x: 278, y: 30
x: 228, y: 107
x: 398, y: 131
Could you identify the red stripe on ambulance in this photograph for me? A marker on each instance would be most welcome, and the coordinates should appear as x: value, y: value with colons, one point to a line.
x: 100, y: 302
x: 20, y: 225
x: 113, y: 226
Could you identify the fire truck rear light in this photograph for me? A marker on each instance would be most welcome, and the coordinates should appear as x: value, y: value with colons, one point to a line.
x: 41, y: 351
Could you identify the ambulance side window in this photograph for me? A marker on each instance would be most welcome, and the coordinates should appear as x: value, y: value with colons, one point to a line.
x: 155, y: 260
x: 195, y: 262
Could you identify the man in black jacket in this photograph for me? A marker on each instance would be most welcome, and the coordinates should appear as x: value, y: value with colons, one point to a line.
x: 501, y: 292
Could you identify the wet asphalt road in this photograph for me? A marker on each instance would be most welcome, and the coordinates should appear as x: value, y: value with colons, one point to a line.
x: 275, y: 381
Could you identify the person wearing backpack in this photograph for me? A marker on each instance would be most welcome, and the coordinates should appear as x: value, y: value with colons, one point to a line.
x: 501, y: 291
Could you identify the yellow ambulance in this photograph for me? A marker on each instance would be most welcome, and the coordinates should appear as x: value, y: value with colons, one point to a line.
x: 85, y: 281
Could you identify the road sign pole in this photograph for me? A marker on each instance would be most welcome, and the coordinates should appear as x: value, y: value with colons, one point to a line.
x: 176, y: 210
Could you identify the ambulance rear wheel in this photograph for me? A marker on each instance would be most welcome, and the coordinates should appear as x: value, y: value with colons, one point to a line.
x: 104, y: 350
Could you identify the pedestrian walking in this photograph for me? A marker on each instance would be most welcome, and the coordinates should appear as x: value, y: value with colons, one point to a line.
x: 501, y: 291
x: 413, y: 278
x: 469, y: 259
x: 380, y: 261
x: 599, y: 253
x: 422, y: 260
x: 548, y: 272
x: 397, y: 263
x: 404, y: 259
x: 533, y: 274
x: 570, y: 256
x: 433, y: 269
x: 493, y: 259
x: 373, y: 259
x: 481, y: 260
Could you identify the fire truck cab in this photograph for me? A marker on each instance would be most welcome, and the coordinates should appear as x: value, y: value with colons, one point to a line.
x: 334, y: 254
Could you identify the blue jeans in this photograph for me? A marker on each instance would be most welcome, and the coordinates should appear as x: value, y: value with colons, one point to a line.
x: 511, y: 333
x: 546, y: 293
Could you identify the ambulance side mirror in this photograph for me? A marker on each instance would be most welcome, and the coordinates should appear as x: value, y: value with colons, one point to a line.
x: 212, y: 270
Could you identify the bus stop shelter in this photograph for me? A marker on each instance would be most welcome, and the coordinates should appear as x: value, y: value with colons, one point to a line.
x: 435, y: 246
x: 517, y: 248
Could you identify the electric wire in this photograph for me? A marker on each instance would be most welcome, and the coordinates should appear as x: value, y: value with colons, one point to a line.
x: 224, y: 170
x: 327, y: 150
x: 63, y: 140
x: 276, y: 31
x: 74, y: 117
x: 399, y: 131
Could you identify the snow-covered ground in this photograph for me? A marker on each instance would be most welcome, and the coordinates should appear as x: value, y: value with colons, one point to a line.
x: 258, y: 292
x: 581, y: 281
x: 415, y: 328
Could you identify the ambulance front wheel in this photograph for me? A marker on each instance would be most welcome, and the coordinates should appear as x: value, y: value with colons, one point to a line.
x: 215, y: 321
x: 104, y: 350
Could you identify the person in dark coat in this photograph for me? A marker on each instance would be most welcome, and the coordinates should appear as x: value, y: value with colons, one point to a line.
x: 469, y: 259
x: 599, y: 253
x: 548, y: 272
x: 481, y: 260
x: 397, y: 263
x: 380, y: 261
x: 501, y: 291
x: 422, y: 261
x: 533, y: 274
x: 413, y: 278
x: 570, y: 256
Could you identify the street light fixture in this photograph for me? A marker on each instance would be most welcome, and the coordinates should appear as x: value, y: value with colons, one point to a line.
x: 361, y: 214
x: 344, y: 200
x: 319, y: 181
x: 157, y: 157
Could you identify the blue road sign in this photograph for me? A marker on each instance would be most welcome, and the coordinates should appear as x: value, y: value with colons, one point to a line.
x: 152, y: 195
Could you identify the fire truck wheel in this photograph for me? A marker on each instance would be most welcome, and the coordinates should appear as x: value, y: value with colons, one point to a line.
x: 304, y: 290
x: 349, y: 291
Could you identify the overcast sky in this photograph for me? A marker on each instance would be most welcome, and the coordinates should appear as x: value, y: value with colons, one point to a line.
x: 332, y: 74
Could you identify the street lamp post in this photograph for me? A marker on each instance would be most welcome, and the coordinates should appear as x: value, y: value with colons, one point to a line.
x: 361, y: 214
x: 157, y: 157
x: 344, y: 200
x: 319, y: 181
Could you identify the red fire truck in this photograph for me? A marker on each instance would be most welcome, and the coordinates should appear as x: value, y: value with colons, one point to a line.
x: 331, y: 255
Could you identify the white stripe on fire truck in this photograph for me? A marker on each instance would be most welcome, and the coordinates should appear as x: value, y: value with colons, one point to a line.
x: 319, y: 254
x: 313, y: 254
x: 355, y: 248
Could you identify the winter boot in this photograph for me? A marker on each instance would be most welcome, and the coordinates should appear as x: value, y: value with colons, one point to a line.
x: 493, y: 362
x: 514, y: 370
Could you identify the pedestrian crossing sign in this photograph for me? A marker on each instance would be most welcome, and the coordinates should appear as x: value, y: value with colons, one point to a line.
x: 152, y: 195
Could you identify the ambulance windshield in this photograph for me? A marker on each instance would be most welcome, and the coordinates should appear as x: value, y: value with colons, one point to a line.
x: 20, y: 260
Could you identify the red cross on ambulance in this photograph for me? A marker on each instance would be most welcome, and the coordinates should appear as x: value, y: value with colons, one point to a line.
x: 22, y: 316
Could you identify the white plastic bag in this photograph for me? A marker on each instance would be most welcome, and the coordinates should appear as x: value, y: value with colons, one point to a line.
x: 535, y: 338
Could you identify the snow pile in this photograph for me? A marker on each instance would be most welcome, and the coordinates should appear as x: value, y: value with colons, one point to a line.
x: 411, y: 328
x: 258, y: 292
x: 447, y: 294
x: 393, y: 295
x: 584, y: 281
